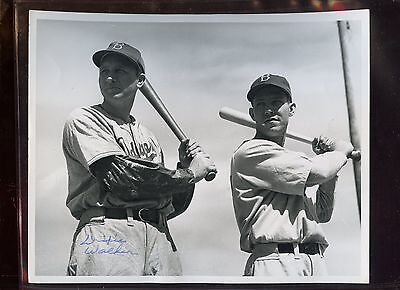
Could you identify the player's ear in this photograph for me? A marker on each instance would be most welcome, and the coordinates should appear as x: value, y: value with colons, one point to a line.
x: 292, y: 109
x: 251, y: 113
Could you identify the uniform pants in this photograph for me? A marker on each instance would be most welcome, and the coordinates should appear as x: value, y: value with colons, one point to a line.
x: 112, y: 247
x: 269, y: 262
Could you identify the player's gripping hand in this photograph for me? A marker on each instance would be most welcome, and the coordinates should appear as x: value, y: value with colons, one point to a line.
x: 324, y: 144
x: 187, y: 150
x: 200, y: 166
x: 343, y: 146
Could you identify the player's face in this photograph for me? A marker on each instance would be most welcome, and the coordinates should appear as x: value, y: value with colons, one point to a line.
x: 117, y: 73
x: 271, y: 110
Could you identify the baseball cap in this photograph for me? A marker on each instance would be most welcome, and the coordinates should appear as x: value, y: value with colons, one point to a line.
x: 123, y: 49
x: 269, y: 80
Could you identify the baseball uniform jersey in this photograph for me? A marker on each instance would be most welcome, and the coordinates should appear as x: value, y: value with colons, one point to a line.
x: 268, y: 189
x: 91, y: 134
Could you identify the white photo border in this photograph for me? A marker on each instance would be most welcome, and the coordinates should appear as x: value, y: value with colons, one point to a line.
x: 35, y: 16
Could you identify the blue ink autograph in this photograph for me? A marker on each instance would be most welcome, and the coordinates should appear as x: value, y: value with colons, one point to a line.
x: 89, y: 240
x: 106, y: 245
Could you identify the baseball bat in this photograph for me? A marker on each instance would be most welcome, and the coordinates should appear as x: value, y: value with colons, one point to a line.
x: 241, y: 118
x: 148, y: 91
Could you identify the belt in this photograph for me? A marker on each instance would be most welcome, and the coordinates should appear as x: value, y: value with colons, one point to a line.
x: 144, y: 214
x: 264, y: 249
x: 306, y: 248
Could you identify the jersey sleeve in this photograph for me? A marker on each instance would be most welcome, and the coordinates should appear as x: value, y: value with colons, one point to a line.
x: 266, y: 165
x: 87, y: 138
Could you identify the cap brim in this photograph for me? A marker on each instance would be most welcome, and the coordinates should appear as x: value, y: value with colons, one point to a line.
x: 253, y: 90
x: 97, y: 56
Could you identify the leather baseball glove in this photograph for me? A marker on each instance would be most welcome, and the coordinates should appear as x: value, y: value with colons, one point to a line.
x: 138, y: 179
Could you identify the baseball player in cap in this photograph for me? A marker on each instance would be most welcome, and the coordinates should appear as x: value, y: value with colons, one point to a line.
x: 279, y: 223
x: 119, y: 189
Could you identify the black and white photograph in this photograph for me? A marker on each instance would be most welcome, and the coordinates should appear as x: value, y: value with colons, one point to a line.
x: 229, y: 148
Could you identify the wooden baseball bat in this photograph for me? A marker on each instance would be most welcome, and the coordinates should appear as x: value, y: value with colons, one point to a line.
x: 241, y: 118
x: 151, y: 95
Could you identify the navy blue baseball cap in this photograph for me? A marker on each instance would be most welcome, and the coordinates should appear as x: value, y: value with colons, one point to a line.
x: 120, y: 48
x: 269, y: 80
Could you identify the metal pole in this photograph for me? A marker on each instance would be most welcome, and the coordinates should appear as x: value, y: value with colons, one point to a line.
x: 344, y: 26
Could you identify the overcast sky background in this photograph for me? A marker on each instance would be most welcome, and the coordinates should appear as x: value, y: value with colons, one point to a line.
x: 196, y: 68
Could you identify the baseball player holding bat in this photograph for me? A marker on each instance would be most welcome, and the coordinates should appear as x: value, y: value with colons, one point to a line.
x: 279, y: 223
x: 119, y: 189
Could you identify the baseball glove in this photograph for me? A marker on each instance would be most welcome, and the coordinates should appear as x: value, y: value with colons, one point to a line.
x: 138, y: 179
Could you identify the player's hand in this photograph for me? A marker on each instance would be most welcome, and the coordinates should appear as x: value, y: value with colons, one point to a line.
x: 201, y: 165
x: 343, y: 146
x: 324, y: 144
x: 187, y: 150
